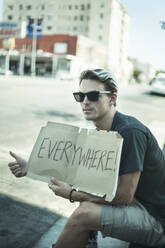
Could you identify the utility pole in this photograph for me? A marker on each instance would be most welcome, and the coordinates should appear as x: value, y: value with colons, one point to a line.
x: 34, y: 48
x: 7, y: 61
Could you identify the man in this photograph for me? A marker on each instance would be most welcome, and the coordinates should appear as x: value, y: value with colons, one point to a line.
x: 137, y: 212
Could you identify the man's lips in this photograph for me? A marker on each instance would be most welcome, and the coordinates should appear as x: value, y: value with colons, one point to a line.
x: 87, y: 110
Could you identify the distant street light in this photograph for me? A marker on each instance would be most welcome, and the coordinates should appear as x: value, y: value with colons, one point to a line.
x: 162, y: 25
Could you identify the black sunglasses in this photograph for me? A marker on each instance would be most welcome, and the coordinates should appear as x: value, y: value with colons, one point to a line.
x: 92, y: 96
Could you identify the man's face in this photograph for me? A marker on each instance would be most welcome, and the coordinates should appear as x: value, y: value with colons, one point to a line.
x: 94, y: 111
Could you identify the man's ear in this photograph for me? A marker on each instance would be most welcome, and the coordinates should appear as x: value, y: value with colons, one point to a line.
x: 113, y: 99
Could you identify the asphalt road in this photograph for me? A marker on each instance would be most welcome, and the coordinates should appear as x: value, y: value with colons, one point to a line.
x: 26, y: 104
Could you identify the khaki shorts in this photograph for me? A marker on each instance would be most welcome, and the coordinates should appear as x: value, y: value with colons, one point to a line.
x: 132, y: 223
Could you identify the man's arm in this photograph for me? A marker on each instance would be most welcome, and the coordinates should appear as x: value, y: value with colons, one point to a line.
x: 124, y: 195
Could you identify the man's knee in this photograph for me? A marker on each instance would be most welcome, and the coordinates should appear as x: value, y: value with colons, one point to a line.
x: 85, y: 216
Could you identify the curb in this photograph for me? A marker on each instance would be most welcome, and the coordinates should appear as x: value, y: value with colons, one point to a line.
x: 51, y: 236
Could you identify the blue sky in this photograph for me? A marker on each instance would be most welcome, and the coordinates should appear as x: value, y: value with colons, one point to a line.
x: 147, y: 39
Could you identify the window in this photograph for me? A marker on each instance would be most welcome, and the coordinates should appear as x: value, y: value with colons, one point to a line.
x: 10, y: 7
x: 49, y: 27
x: 75, y: 18
x: 26, y: 47
x: 88, y: 6
x: 29, y: 7
x: 81, y: 29
x: 43, y: 7
x: 99, y: 37
x: 10, y: 17
x: 76, y: 6
x: 49, y: 17
x: 70, y: 7
x: 101, y: 15
x: 82, y: 6
x: 81, y: 17
x: 102, y: 4
x: 20, y: 6
x: 50, y: 7
x: 74, y: 28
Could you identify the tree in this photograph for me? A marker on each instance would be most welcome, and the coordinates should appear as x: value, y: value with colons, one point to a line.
x: 159, y: 71
x: 162, y: 24
x: 136, y: 75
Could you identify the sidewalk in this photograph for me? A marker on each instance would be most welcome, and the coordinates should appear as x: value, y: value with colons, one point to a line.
x: 24, y: 225
x: 32, y: 216
x: 51, y: 236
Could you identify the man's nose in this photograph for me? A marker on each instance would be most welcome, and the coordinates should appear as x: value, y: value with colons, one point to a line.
x: 86, y: 99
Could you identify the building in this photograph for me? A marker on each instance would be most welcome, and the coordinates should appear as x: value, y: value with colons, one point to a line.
x: 105, y: 22
x: 55, y: 54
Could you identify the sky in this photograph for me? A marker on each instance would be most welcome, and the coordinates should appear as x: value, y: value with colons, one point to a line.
x: 147, y: 39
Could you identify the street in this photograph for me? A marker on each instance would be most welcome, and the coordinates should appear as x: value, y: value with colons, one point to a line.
x: 26, y: 104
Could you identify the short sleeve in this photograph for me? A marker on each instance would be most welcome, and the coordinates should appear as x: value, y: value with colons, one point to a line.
x: 133, y: 151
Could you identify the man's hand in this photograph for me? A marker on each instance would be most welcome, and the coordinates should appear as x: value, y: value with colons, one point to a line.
x: 19, y: 166
x: 60, y: 188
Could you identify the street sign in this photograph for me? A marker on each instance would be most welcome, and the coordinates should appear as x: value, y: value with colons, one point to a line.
x: 61, y: 47
x: 8, y: 44
x: 10, y: 30
x: 37, y: 29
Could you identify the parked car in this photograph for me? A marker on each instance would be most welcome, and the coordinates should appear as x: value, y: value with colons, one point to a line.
x: 3, y: 72
x: 157, y: 84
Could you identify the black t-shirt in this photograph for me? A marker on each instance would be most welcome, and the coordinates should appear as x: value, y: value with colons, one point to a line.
x: 141, y: 152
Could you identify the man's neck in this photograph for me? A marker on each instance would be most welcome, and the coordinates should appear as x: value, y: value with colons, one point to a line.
x: 106, y: 122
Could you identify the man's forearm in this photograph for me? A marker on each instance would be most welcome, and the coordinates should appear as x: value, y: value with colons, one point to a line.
x: 119, y: 199
x: 124, y: 194
x: 82, y: 196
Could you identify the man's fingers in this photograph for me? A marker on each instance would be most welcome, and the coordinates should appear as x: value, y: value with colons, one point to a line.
x: 18, y: 174
x: 15, y: 167
x: 54, y: 181
x: 17, y: 171
x: 53, y: 187
x: 11, y: 164
x: 13, y: 155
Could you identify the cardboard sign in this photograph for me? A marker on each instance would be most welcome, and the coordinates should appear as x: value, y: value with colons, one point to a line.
x: 87, y: 159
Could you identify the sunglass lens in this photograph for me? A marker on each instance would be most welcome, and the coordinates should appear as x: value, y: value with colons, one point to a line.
x: 93, y: 96
x: 79, y: 97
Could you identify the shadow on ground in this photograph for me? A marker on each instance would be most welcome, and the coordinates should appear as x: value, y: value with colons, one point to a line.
x: 21, y: 224
x: 64, y: 115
